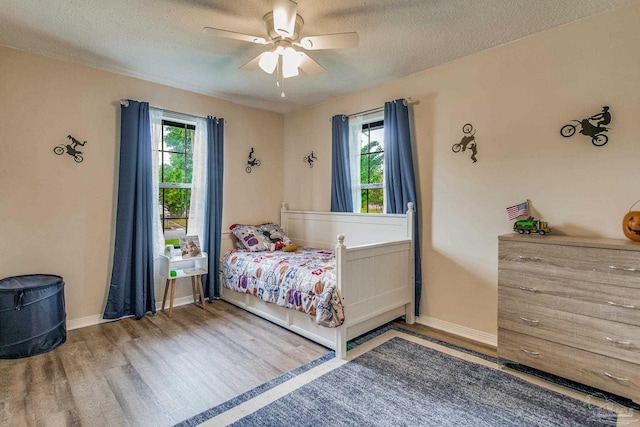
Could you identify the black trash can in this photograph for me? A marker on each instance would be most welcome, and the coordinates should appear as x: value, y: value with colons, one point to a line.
x: 32, y: 315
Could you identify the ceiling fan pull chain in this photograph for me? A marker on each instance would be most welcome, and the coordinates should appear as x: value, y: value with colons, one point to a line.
x: 279, y: 71
x: 280, y: 81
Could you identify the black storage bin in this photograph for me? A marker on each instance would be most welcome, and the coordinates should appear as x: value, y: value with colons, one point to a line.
x: 32, y: 316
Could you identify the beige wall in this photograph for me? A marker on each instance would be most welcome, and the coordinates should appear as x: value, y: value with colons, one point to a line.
x: 517, y: 97
x: 57, y: 216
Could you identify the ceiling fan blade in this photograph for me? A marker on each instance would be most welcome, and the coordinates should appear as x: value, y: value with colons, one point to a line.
x: 253, y: 63
x: 310, y: 66
x: 216, y: 32
x: 330, y: 41
x: 284, y: 17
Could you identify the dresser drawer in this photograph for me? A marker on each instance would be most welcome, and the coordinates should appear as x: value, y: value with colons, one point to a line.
x: 605, y: 373
x: 587, y: 333
x: 607, y: 266
x: 584, y: 297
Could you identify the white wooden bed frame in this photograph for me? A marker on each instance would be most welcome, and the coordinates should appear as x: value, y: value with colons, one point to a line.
x: 374, y: 271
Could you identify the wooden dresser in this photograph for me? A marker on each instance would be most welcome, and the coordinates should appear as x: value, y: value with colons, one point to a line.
x: 571, y: 306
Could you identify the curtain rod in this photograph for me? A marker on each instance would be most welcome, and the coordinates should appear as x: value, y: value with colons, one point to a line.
x: 125, y: 102
x: 362, y: 113
x: 407, y: 101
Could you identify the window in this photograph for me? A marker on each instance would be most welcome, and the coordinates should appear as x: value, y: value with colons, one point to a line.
x: 371, y: 147
x: 175, y: 178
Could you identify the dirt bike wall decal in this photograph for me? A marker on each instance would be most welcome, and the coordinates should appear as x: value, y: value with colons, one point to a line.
x: 71, y: 149
x: 251, y: 162
x: 592, y: 127
x: 310, y: 159
x: 467, y: 141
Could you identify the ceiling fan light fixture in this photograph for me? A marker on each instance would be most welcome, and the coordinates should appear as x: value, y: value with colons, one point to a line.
x: 290, y: 62
x: 268, y: 62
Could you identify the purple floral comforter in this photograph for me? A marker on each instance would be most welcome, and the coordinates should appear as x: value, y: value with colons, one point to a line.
x: 304, y: 280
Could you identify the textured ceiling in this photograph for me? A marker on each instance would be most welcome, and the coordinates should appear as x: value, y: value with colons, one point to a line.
x: 162, y: 40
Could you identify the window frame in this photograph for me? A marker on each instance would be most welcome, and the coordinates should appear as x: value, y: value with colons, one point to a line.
x: 162, y: 185
x: 367, y: 126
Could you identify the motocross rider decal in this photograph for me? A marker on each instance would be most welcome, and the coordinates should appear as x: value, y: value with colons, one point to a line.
x: 593, y: 127
x: 252, y: 161
x: 71, y: 149
x: 467, y: 141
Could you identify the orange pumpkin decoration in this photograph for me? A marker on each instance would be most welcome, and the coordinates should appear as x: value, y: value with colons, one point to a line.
x: 631, y: 225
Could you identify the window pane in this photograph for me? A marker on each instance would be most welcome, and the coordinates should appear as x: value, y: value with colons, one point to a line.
x: 189, y: 140
x: 174, y: 168
x: 174, y: 211
x: 377, y: 136
x: 372, y: 168
x: 364, y: 169
x: 376, y: 163
x: 364, y: 141
x: 174, y: 139
x: 176, y: 202
x: 371, y: 145
x: 374, y: 200
x: 188, y: 171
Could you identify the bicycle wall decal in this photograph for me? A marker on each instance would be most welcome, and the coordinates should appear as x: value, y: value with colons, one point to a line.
x: 587, y: 128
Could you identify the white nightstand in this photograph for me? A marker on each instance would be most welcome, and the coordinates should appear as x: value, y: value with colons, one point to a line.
x: 183, y: 267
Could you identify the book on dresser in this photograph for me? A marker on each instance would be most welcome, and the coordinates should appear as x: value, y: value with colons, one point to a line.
x: 570, y: 306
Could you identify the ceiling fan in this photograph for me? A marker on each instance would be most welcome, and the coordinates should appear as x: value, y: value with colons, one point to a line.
x: 283, y: 26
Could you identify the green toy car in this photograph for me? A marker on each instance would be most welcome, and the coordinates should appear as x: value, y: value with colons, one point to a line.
x: 531, y: 225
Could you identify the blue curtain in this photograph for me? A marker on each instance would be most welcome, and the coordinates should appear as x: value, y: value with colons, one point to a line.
x: 213, y: 206
x: 341, y: 200
x: 131, y: 290
x: 399, y: 177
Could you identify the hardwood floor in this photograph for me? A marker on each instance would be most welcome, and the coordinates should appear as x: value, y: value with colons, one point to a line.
x: 150, y: 372
x: 157, y: 371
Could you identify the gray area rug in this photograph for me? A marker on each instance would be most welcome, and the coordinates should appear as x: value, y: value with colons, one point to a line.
x: 404, y: 383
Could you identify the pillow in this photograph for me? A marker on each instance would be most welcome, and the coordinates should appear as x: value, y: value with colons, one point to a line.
x: 290, y: 248
x: 250, y: 237
x: 276, y: 237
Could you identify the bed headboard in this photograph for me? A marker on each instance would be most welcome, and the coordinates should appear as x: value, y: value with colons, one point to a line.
x: 320, y: 229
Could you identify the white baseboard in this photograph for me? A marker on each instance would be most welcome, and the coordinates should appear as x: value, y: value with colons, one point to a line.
x: 462, y: 331
x: 97, y: 318
x: 451, y: 328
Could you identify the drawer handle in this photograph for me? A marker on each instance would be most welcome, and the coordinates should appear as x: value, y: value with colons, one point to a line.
x: 613, y: 377
x: 613, y: 267
x: 529, y: 352
x: 617, y: 342
x: 621, y: 305
x: 532, y: 321
x: 528, y: 258
x: 522, y: 288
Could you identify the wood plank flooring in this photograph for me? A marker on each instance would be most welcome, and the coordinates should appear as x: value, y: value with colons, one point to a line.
x: 157, y: 371
x: 150, y: 372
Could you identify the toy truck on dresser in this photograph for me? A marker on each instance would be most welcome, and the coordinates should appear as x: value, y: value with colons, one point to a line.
x: 531, y: 225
